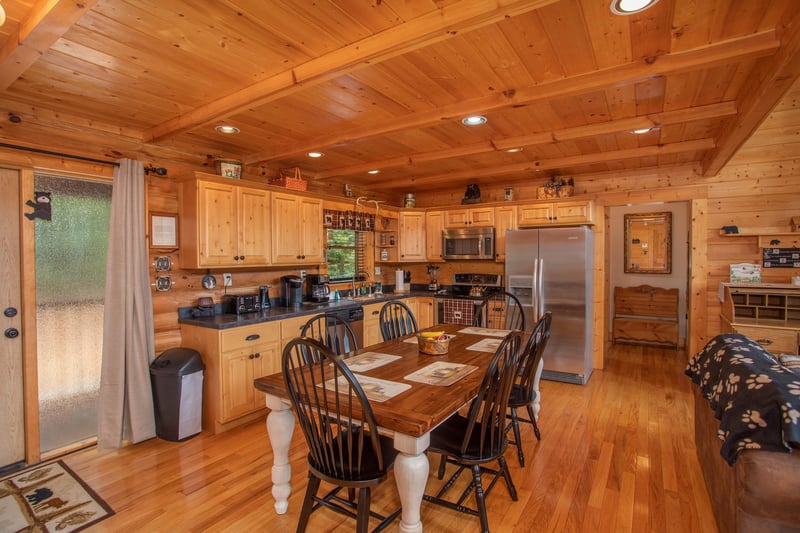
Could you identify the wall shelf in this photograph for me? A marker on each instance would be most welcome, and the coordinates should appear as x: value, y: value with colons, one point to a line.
x: 764, y: 238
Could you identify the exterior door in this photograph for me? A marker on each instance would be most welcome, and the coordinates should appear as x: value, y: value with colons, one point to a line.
x: 12, y: 437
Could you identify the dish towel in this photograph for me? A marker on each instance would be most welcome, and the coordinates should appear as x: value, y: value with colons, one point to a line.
x: 459, y: 311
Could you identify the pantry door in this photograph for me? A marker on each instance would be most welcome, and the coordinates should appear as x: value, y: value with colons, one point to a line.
x: 12, y: 436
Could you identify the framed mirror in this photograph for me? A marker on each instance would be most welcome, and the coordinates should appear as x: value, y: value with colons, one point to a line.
x: 648, y: 243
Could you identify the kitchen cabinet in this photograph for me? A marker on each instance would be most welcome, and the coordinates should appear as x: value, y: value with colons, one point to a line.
x: 555, y: 213
x: 386, y: 241
x: 434, y: 223
x: 297, y: 229
x: 424, y: 311
x: 411, y: 246
x: 477, y: 216
x: 372, y: 328
x: 223, y: 225
x: 768, y: 313
x: 291, y: 328
x: 233, y: 358
x: 505, y: 218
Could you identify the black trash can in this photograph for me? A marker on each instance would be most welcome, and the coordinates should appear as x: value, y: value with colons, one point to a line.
x: 177, y: 379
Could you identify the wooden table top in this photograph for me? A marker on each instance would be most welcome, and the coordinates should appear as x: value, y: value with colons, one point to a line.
x: 422, y: 407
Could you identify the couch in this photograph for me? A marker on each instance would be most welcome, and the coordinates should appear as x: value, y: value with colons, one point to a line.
x: 747, y: 434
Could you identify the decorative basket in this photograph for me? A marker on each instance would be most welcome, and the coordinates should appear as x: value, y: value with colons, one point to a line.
x: 565, y: 191
x: 433, y: 346
x: 294, y: 181
x: 546, y: 193
x: 228, y: 168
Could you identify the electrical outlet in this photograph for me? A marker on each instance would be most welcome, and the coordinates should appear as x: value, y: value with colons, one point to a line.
x: 377, y: 270
x: 227, y: 280
x: 302, y: 274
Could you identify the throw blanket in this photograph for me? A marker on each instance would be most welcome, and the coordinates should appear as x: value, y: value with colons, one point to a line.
x: 756, y: 400
x: 458, y: 311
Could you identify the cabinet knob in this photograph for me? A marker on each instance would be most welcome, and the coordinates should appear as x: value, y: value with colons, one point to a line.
x: 251, y: 356
x: 235, y: 257
x: 258, y: 354
x: 241, y: 257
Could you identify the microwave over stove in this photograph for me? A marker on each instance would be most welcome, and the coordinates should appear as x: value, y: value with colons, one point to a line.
x: 468, y: 243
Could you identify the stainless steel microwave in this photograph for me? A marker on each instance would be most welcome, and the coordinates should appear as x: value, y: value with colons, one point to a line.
x: 468, y: 243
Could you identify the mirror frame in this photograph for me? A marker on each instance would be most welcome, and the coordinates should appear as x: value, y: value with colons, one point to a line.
x: 666, y: 218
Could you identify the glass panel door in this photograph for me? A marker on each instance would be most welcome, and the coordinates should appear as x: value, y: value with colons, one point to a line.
x: 70, y: 284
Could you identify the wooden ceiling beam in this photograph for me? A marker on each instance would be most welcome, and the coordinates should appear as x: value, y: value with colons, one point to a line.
x: 433, y: 27
x: 765, y: 86
x: 48, y: 21
x: 457, y: 178
x: 677, y: 116
x: 737, y: 49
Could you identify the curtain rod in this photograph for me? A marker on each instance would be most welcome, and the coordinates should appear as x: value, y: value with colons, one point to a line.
x: 59, y: 154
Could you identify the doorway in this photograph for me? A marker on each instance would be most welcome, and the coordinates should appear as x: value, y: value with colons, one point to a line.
x: 70, y: 258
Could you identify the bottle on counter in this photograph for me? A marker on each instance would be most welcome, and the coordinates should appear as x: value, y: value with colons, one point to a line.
x: 335, y: 295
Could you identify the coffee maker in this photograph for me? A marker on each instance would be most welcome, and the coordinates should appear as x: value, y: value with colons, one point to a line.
x: 318, y: 287
x: 291, y: 291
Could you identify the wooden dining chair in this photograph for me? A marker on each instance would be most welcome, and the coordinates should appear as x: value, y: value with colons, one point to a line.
x: 525, y: 392
x: 345, y: 449
x: 335, y: 333
x: 479, y: 438
x: 396, y: 320
x: 501, y: 310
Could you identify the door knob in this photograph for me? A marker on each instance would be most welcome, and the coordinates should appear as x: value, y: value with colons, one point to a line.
x: 12, y: 333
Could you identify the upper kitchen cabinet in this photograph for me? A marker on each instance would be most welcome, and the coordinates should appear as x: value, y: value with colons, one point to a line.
x: 223, y: 224
x: 297, y: 229
x: 555, y: 213
x: 505, y: 218
x: 412, y: 236
x: 477, y: 216
x: 434, y: 223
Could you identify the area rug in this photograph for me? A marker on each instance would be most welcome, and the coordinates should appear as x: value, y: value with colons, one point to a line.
x: 49, y: 499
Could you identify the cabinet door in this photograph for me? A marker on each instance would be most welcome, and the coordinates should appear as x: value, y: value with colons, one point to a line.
x: 216, y: 224
x: 425, y: 312
x: 254, y: 234
x: 505, y: 219
x: 456, y: 218
x: 286, y: 229
x: 535, y: 215
x: 372, y: 329
x: 311, y: 216
x: 237, y: 373
x: 579, y: 212
x: 434, y: 223
x: 412, y: 236
x: 481, y: 216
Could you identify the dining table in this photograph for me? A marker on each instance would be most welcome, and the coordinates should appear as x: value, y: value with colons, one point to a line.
x: 410, y: 393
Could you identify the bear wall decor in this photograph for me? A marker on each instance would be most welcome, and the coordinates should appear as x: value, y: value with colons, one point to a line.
x: 41, y: 206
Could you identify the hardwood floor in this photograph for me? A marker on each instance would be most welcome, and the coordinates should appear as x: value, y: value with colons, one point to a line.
x: 615, y: 455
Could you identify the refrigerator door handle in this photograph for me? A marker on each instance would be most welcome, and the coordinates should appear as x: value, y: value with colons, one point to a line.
x: 535, y: 292
x: 540, y: 289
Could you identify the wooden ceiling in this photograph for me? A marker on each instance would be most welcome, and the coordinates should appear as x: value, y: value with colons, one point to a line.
x: 383, y: 84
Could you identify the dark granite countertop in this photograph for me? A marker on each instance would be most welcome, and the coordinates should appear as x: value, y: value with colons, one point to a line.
x: 230, y: 320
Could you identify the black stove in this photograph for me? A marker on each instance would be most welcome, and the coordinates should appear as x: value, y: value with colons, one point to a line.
x: 475, y: 286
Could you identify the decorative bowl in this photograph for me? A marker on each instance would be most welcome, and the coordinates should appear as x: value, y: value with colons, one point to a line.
x: 433, y: 346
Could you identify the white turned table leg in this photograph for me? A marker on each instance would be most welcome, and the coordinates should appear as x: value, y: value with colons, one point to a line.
x: 411, y: 473
x: 280, y: 426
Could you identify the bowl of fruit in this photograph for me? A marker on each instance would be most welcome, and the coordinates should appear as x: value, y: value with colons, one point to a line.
x: 433, y: 342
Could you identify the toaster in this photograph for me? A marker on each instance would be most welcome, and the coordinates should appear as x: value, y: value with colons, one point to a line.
x: 249, y: 303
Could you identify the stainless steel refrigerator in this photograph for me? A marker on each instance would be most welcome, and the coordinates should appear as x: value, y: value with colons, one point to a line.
x: 550, y: 269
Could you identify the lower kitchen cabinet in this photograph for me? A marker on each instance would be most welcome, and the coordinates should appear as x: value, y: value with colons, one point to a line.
x: 423, y: 310
x: 233, y: 358
x: 372, y: 327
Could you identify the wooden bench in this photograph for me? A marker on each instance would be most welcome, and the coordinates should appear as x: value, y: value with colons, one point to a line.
x: 646, y: 314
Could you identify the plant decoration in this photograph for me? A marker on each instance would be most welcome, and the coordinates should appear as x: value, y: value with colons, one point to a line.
x: 557, y: 188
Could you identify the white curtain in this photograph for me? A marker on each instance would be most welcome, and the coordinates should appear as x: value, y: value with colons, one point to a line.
x: 125, y: 410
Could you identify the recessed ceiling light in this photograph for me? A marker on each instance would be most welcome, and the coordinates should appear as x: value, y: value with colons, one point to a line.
x: 514, y: 150
x: 474, y: 120
x: 373, y: 171
x: 641, y: 131
x: 315, y: 154
x: 629, y: 7
x: 227, y: 130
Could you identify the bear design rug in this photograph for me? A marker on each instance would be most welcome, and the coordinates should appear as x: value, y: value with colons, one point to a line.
x: 49, y: 499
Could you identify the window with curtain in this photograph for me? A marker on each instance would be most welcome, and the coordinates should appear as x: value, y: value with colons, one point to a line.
x: 346, y: 253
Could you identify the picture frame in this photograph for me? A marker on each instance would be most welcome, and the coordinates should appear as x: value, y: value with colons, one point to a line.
x: 163, y: 231
x: 327, y: 220
x: 648, y: 243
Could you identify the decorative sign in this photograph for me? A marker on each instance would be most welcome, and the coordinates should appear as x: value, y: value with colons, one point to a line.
x: 781, y: 258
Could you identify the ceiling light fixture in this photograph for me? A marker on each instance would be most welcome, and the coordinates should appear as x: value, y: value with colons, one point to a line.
x: 2, y: 15
x: 642, y: 131
x: 629, y: 7
x: 474, y: 120
x: 513, y: 150
x: 315, y: 154
x: 227, y: 130
x: 373, y: 171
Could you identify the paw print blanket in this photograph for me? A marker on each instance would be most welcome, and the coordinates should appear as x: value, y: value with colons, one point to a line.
x: 756, y: 400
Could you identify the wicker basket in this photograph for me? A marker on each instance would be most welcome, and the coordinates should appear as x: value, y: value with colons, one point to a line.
x: 565, y: 191
x: 291, y: 180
